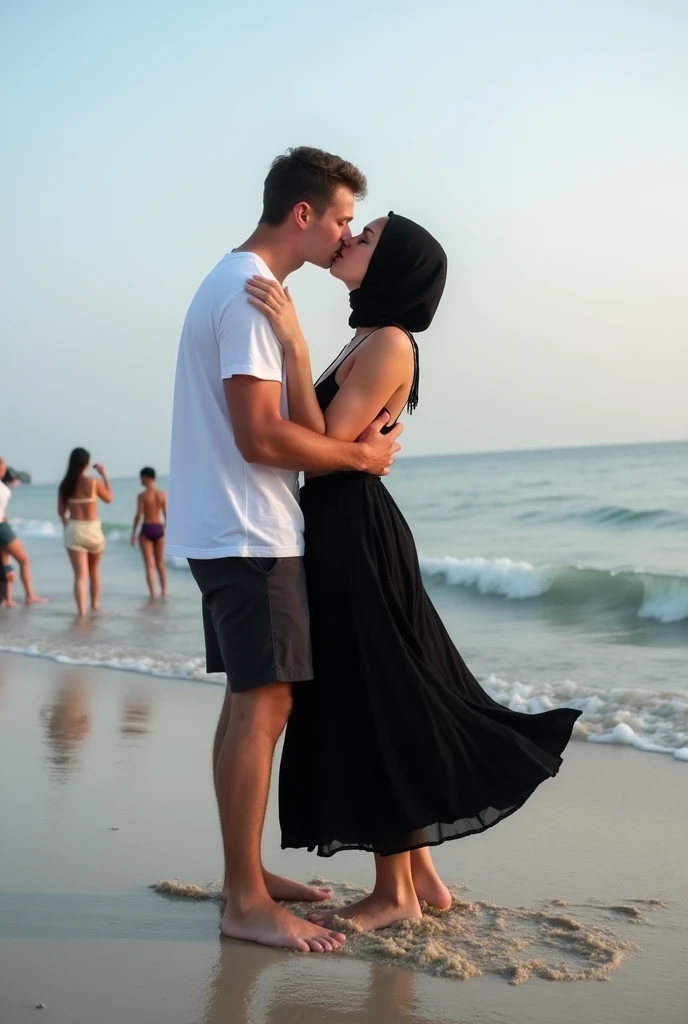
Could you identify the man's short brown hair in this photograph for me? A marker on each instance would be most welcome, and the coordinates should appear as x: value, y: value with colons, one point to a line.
x: 307, y: 175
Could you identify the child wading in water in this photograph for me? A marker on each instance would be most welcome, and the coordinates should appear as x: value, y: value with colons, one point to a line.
x: 151, y: 512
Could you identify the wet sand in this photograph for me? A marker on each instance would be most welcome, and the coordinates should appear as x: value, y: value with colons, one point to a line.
x: 106, y: 790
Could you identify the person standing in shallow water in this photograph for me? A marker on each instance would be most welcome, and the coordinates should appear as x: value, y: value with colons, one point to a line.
x: 151, y: 515
x: 11, y: 546
x: 423, y: 752
x: 77, y: 507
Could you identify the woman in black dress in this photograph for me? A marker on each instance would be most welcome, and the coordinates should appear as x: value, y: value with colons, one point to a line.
x: 429, y: 755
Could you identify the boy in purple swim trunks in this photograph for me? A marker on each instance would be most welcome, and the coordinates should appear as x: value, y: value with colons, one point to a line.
x: 151, y: 513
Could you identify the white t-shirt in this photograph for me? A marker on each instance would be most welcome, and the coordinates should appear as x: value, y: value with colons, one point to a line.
x: 218, y: 504
x: 5, y: 495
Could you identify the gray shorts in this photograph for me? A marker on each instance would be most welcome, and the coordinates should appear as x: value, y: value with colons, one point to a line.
x: 7, y: 534
x: 255, y: 619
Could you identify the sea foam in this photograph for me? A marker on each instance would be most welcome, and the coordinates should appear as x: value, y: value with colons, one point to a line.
x: 646, y: 720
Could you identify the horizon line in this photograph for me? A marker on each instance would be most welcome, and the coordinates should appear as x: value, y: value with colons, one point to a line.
x: 473, y: 452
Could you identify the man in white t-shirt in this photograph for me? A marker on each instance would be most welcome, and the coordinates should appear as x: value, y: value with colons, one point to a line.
x: 234, y: 514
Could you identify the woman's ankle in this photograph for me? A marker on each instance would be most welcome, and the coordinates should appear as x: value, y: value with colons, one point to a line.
x: 397, y: 892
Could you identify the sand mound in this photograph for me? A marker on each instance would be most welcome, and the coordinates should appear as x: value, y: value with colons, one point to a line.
x: 473, y: 938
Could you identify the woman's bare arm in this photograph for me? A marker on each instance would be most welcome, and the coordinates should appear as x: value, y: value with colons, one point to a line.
x: 380, y: 372
x: 276, y: 303
x: 380, y: 377
x: 303, y: 403
x: 103, y: 489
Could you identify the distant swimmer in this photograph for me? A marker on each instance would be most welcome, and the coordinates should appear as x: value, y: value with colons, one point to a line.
x: 151, y: 513
x: 77, y: 507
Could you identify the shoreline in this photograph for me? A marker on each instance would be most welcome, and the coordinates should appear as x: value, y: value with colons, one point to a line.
x: 599, y: 724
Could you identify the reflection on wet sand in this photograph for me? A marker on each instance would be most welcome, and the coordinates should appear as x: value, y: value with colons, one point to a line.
x: 67, y: 723
x: 136, y: 715
x: 247, y: 986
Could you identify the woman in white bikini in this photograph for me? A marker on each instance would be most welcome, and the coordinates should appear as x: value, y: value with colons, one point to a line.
x: 77, y: 507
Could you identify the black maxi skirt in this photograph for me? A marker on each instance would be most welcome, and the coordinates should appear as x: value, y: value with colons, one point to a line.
x: 394, y: 745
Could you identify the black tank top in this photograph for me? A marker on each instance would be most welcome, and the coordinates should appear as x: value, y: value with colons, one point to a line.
x: 327, y: 387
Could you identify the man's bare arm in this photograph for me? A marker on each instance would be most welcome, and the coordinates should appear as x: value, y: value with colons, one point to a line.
x: 263, y: 435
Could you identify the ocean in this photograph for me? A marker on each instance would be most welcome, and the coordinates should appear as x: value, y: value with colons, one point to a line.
x: 562, y: 576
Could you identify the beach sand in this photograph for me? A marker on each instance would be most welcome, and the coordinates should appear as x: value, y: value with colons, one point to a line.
x: 106, y: 790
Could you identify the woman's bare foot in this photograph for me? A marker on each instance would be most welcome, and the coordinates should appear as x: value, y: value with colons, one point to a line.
x: 372, y: 912
x: 272, y: 925
x: 8, y: 604
x: 428, y: 885
x: 35, y: 599
x: 285, y: 889
x: 432, y: 890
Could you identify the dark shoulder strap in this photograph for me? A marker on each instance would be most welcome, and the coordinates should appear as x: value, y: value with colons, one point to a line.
x: 364, y: 338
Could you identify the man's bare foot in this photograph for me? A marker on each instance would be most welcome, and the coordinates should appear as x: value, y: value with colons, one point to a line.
x: 271, y: 925
x: 296, y: 892
x: 35, y: 599
x: 285, y: 889
x: 431, y: 890
x: 375, y: 911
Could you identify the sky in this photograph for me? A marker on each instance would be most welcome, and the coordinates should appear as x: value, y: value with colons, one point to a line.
x: 543, y: 143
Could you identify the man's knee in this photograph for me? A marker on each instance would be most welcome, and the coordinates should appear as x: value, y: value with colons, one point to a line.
x: 265, y: 709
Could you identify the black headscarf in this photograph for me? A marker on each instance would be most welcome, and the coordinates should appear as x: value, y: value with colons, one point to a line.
x: 403, y: 284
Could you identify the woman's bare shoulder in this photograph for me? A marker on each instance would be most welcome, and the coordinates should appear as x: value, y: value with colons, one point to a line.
x: 388, y: 343
x: 389, y: 335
